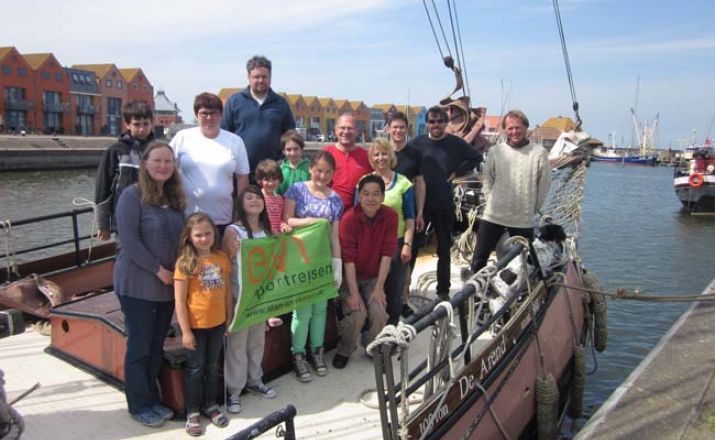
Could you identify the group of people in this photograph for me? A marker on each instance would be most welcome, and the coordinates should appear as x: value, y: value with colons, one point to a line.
x: 181, y: 210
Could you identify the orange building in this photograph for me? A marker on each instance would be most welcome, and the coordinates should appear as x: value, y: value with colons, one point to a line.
x: 18, y: 101
x: 226, y: 93
x: 113, y: 91
x: 51, y: 85
x: 139, y: 89
x: 362, y: 119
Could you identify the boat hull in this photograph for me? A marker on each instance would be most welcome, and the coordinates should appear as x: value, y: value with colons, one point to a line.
x: 510, y: 371
x: 696, y: 199
x: 628, y: 160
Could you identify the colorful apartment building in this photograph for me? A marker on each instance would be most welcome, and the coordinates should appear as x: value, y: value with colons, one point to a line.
x: 330, y: 114
x: 17, y: 107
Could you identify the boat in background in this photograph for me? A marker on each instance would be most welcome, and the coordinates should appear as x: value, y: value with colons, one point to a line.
x: 646, y: 136
x: 694, y: 180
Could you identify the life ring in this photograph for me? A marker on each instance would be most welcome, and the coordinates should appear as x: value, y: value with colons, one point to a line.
x: 696, y: 180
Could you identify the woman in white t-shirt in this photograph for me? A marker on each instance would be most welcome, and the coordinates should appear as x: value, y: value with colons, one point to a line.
x: 209, y: 159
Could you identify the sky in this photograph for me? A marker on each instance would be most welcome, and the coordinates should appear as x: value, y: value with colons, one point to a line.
x: 383, y: 51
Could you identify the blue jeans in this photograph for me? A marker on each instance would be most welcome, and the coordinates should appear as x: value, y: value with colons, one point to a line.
x: 201, y: 369
x: 147, y: 323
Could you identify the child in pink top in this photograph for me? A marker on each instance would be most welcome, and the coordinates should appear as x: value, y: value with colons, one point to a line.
x: 269, y: 178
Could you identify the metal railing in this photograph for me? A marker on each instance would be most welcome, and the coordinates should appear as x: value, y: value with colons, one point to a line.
x: 275, y: 418
x: 6, y: 228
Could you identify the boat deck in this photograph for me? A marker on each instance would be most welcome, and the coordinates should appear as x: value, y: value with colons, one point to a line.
x: 72, y: 404
x: 671, y: 395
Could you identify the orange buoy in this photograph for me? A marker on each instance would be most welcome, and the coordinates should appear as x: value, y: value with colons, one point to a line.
x: 696, y: 180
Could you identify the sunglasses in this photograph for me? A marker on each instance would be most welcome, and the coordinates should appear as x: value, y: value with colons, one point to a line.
x: 436, y: 121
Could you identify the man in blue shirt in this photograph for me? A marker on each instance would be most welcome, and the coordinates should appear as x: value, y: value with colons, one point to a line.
x: 257, y: 114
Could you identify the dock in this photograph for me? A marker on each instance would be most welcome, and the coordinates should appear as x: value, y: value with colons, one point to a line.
x: 33, y: 152
x: 671, y: 395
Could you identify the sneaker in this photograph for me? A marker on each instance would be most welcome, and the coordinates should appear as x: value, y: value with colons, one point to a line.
x: 318, y: 363
x: 193, y: 424
x: 149, y: 418
x: 302, y: 373
x: 163, y: 411
x: 262, y: 390
x: 340, y: 361
x: 234, y: 404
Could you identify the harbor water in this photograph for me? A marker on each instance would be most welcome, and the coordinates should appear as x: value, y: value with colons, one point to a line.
x: 633, y: 235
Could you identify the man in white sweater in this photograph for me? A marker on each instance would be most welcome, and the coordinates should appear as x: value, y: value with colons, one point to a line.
x: 517, y: 176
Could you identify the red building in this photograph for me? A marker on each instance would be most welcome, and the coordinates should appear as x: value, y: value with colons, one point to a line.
x: 17, y: 103
x: 51, y: 91
x: 138, y: 86
x: 113, y: 91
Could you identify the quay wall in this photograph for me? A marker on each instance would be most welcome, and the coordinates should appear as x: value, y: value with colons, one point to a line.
x: 31, y: 153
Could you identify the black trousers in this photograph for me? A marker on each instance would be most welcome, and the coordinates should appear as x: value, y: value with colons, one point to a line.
x: 488, y: 236
x: 442, y: 221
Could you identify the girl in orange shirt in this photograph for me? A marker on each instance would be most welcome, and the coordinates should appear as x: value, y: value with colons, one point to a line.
x: 202, y: 289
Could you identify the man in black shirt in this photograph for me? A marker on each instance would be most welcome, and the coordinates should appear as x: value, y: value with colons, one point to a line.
x: 409, y: 163
x: 444, y: 156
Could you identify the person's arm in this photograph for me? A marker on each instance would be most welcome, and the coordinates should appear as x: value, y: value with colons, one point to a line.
x: 290, y: 218
x: 128, y: 227
x: 489, y: 173
x: 103, y: 193
x: 420, y: 191
x: 544, y: 179
x: 406, y: 251
x: 181, y: 292
x: 335, y: 239
x: 241, y: 182
x: 231, y: 243
x: 228, y: 299
x: 471, y: 159
x: 378, y: 291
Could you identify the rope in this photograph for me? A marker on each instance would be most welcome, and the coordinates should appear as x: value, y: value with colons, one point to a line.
x: 569, y: 74
x: 11, y: 266
x: 431, y: 25
x: 461, y: 50
x: 636, y: 295
x: 81, y: 201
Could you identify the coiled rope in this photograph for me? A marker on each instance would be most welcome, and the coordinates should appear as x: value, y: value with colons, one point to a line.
x: 636, y: 295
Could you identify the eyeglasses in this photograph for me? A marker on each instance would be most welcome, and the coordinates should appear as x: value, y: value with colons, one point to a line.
x: 436, y: 121
x: 207, y: 115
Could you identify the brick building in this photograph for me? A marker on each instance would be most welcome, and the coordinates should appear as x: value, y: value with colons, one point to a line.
x: 139, y: 89
x: 113, y: 91
x: 52, y: 92
x: 84, y: 102
x: 17, y: 106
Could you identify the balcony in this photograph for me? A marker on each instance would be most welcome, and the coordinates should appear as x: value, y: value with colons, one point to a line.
x: 17, y: 104
x: 53, y: 107
x: 86, y: 109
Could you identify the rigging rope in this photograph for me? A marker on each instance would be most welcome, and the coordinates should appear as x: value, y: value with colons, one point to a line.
x: 431, y: 25
x: 10, y: 251
x: 461, y: 50
x: 81, y: 201
x: 637, y: 296
x: 567, y: 62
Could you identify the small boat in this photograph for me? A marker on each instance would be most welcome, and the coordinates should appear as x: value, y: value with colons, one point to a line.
x: 621, y: 157
x: 694, y: 180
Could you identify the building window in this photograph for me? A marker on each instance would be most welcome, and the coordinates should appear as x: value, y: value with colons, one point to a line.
x: 59, y: 77
x: 87, y: 79
x: 146, y: 88
x: 120, y: 84
x: 136, y: 86
x: 6, y: 70
x: 75, y: 78
x: 108, y: 83
x: 21, y: 71
x: 45, y: 75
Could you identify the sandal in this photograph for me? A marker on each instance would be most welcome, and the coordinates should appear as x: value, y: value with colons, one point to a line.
x: 217, y: 417
x: 193, y: 425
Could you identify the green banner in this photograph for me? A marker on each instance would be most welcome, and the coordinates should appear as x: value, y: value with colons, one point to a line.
x: 283, y: 273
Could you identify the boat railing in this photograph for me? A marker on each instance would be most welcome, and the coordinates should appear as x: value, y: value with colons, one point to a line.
x: 390, y: 392
x: 285, y: 415
x: 75, y: 241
